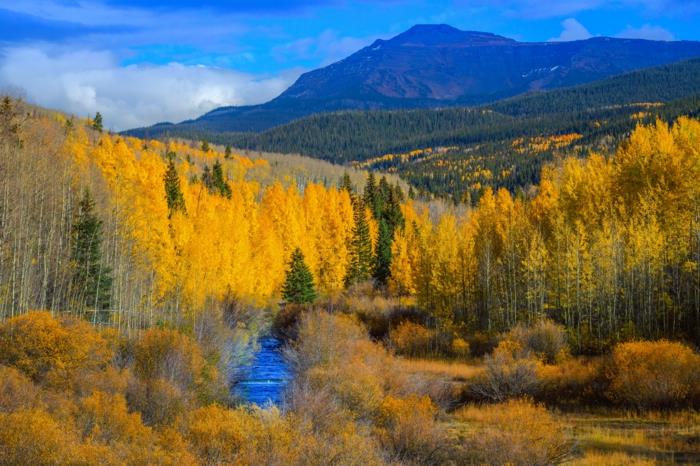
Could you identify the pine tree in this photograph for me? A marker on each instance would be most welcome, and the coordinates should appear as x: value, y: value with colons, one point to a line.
x: 205, y: 146
x: 97, y: 122
x: 227, y: 152
x: 298, y: 286
x: 218, y: 181
x: 360, y: 264
x: 91, y: 278
x: 9, y: 127
x: 173, y: 193
x: 382, y: 261
x: 346, y: 184
x: 370, y: 194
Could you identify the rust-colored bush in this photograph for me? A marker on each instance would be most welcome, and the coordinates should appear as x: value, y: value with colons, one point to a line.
x: 516, y: 432
x: 653, y: 374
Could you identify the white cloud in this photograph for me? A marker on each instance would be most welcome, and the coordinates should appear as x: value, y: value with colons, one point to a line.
x: 84, y: 82
x: 572, y: 30
x: 328, y: 47
x: 646, y: 31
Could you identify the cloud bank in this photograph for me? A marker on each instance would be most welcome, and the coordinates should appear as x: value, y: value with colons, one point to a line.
x: 84, y: 82
x: 572, y: 30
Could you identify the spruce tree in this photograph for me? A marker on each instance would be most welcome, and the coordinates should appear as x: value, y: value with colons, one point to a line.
x: 370, y: 194
x: 346, y: 184
x: 219, y: 183
x: 173, y: 193
x: 205, y: 146
x: 382, y: 262
x: 299, y: 283
x: 97, y: 122
x: 91, y: 278
x: 360, y: 265
x: 227, y: 152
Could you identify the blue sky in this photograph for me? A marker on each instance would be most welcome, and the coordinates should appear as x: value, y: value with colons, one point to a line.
x: 140, y: 62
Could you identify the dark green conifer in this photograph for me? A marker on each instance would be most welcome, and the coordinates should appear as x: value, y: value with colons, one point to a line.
x: 219, y: 182
x: 91, y: 277
x: 382, y: 264
x: 360, y: 264
x: 346, y: 184
x: 205, y: 146
x: 370, y: 193
x: 298, y: 286
x: 227, y: 152
x: 173, y: 193
x: 97, y: 122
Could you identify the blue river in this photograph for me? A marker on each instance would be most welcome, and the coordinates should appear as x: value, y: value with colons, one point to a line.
x: 266, y: 378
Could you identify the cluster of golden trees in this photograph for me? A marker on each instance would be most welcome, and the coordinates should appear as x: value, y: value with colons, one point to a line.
x: 608, y: 246
x: 230, y: 242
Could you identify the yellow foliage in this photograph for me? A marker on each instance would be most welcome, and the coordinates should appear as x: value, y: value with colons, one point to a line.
x: 50, y: 351
x: 653, y: 373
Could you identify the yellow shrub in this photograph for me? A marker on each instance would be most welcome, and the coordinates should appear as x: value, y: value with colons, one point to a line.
x: 517, y: 432
x: 460, y: 348
x: 16, y: 390
x: 573, y: 380
x: 50, y: 351
x: 407, y: 428
x: 411, y: 339
x: 653, y: 373
x: 33, y: 437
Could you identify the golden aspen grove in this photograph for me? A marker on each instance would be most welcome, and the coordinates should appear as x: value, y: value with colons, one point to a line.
x: 136, y: 276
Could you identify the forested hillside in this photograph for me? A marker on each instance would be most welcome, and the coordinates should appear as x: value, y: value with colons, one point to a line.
x: 456, y: 152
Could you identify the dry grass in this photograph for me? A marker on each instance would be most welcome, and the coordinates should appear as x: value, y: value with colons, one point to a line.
x: 630, y: 438
x: 454, y: 371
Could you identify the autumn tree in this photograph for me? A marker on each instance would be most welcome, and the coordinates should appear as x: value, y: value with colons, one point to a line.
x: 299, y: 283
x: 92, y: 281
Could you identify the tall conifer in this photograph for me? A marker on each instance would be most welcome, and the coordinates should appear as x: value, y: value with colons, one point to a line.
x: 298, y: 286
x: 360, y: 265
x: 91, y: 277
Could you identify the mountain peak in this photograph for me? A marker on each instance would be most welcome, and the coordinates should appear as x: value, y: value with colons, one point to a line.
x: 438, y: 34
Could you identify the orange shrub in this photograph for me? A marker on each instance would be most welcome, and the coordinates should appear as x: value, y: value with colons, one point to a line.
x: 407, y: 428
x: 168, y: 354
x: 573, y: 380
x: 517, y: 432
x: 16, y: 390
x: 50, y: 351
x: 411, y: 339
x: 653, y: 373
x: 34, y: 437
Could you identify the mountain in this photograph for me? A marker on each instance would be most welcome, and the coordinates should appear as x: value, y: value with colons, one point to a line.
x: 440, y: 150
x: 440, y: 66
